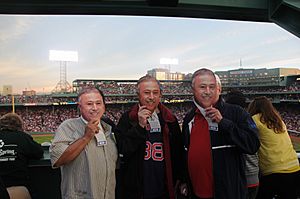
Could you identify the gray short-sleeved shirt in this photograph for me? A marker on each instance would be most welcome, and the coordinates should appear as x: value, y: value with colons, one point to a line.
x: 92, y: 174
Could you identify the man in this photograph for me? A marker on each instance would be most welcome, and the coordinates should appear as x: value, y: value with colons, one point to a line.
x: 150, y: 143
x: 252, y: 168
x: 216, y: 135
x: 85, y: 149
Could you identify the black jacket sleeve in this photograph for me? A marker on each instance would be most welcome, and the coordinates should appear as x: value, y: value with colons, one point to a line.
x: 130, y: 136
x: 241, y: 129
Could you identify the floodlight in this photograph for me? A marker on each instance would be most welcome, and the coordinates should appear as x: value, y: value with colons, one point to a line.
x: 61, y: 55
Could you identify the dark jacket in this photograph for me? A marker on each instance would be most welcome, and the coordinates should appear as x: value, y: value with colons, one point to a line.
x: 236, y: 135
x: 3, y: 191
x: 131, y: 141
x: 16, y: 149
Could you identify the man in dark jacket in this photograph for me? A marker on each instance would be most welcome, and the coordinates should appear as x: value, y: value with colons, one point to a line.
x: 216, y: 135
x: 151, y: 147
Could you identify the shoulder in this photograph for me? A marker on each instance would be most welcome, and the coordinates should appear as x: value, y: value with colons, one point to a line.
x: 167, y: 114
x: 256, y: 117
x: 108, y: 121
x: 232, y: 110
x: 70, y: 122
x: 71, y: 125
x: 189, y: 116
x: 232, y: 107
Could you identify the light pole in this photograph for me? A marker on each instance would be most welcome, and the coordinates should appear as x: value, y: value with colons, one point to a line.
x: 63, y: 57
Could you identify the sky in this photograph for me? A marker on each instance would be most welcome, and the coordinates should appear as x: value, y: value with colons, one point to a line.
x: 124, y: 47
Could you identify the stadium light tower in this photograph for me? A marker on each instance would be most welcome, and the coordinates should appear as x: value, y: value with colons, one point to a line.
x: 63, y: 57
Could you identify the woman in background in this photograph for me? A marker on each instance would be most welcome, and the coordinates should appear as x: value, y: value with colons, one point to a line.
x: 278, y: 162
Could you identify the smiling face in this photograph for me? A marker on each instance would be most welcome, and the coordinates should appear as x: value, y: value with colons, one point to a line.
x: 206, y: 90
x: 149, y: 94
x: 91, y: 105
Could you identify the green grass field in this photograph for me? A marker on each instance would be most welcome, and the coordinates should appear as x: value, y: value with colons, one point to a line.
x: 41, y: 139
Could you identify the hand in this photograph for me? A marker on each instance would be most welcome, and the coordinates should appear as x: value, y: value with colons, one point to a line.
x: 143, y: 115
x: 91, y: 129
x: 214, y: 114
x: 183, y: 189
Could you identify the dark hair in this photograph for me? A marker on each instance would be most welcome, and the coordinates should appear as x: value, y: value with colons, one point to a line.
x: 236, y: 97
x: 90, y: 89
x: 11, y: 121
x: 147, y: 78
x: 269, y: 114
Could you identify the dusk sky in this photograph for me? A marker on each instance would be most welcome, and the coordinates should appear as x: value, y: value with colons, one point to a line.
x: 119, y: 47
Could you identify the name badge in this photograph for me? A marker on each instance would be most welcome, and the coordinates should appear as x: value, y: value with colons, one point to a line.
x: 100, y: 139
x: 154, y: 125
x: 213, y: 126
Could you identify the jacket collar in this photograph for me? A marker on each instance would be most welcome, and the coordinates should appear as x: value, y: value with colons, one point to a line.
x: 164, y: 111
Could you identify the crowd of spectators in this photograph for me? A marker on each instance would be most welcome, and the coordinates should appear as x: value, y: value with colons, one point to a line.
x: 43, y: 113
x: 47, y: 118
x: 169, y: 95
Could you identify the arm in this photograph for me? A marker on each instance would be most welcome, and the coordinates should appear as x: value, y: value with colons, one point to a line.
x: 177, y: 150
x: 179, y: 170
x: 74, y: 149
x: 242, y: 132
x: 130, y: 136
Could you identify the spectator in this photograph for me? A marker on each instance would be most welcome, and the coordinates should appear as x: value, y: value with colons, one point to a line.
x: 85, y: 150
x: 17, y: 148
x: 151, y: 146
x: 216, y: 136
x: 252, y: 169
x: 278, y: 160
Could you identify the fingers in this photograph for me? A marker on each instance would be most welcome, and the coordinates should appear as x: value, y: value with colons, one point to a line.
x: 143, y: 111
x: 214, y: 114
x: 93, y: 126
x: 211, y: 112
x: 183, y: 189
x: 95, y: 121
x: 143, y: 115
x: 142, y: 107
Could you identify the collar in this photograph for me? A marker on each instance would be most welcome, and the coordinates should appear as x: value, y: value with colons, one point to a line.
x: 202, y: 110
x: 166, y: 114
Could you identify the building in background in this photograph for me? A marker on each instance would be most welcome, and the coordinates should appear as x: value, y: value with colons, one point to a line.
x: 7, y: 90
x: 165, y: 74
x: 262, y: 77
x: 29, y: 93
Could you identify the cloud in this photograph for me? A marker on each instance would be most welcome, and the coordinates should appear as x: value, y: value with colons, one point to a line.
x: 287, y: 62
x: 13, y: 27
x: 274, y: 40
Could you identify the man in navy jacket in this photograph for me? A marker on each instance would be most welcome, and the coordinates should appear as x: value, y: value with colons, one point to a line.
x: 216, y: 136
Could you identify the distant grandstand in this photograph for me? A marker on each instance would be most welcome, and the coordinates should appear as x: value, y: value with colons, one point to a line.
x: 43, y: 113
